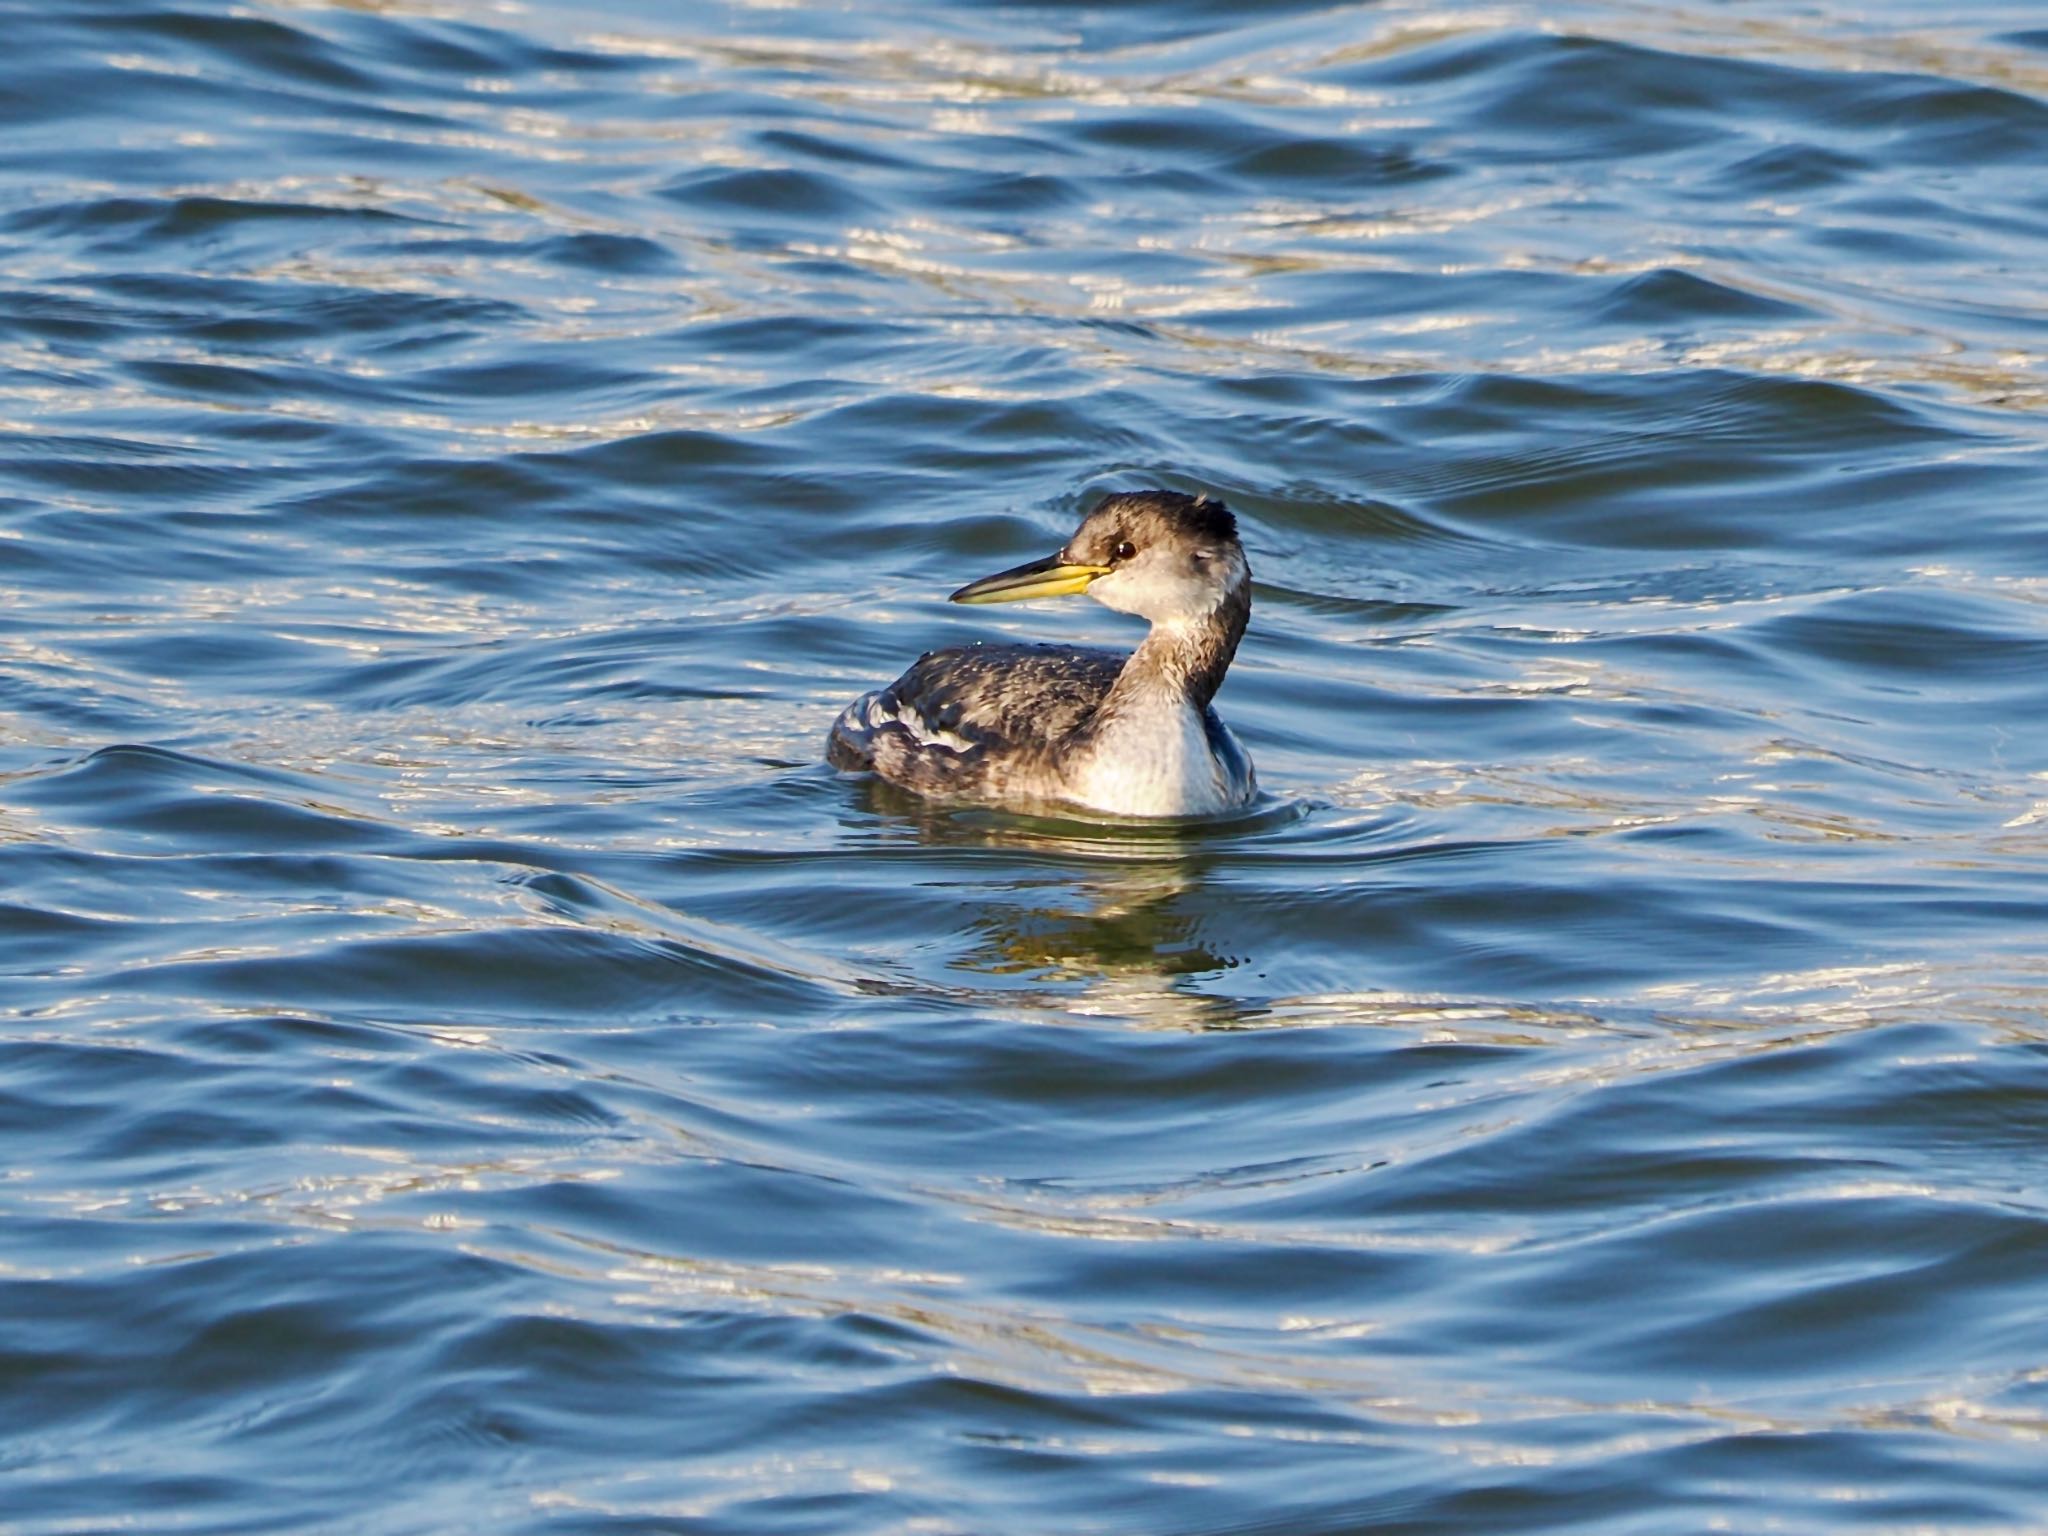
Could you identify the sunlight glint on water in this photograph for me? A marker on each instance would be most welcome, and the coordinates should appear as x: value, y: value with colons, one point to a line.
x: 471, y: 1066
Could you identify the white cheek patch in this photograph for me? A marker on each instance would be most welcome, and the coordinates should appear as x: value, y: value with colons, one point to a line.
x: 1155, y: 589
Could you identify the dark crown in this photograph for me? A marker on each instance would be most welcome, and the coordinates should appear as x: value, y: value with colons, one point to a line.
x: 1203, y: 516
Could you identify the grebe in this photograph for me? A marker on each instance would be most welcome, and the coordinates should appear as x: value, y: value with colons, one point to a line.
x: 1129, y: 736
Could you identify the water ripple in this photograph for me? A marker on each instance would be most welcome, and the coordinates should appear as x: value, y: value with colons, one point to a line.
x: 468, y: 1064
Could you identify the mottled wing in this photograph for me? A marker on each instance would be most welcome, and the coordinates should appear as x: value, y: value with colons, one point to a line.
x: 1008, y: 693
x: 953, y: 704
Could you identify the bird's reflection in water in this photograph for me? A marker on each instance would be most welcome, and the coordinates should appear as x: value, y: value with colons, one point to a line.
x: 1121, y: 921
x: 1127, y: 908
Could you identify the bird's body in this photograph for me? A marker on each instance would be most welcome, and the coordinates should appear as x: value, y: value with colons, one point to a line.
x: 1037, y: 724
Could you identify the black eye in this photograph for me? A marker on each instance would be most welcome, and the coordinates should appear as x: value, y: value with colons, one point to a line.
x: 1125, y: 550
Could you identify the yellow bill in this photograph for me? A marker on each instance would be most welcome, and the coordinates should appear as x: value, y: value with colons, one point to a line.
x: 1050, y: 577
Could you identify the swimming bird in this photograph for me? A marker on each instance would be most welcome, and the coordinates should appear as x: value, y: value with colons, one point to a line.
x: 1029, y: 724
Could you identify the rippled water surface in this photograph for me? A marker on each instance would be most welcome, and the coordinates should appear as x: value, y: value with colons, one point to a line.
x: 469, y: 1066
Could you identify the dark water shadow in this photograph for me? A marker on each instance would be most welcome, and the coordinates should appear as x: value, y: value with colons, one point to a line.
x: 1083, y: 834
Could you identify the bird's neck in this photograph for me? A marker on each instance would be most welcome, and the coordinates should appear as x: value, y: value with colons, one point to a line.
x: 1149, y: 750
x: 1182, y: 659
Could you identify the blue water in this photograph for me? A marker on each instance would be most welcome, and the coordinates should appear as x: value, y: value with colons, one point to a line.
x: 468, y: 1065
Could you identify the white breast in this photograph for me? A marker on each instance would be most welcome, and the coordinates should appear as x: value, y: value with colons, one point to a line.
x: 1159, y: 764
